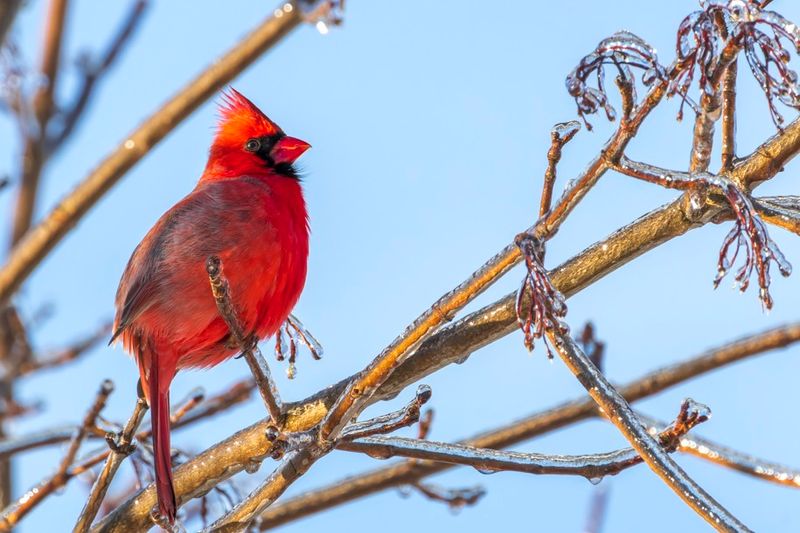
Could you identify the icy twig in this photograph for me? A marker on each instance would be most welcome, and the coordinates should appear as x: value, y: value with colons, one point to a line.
x: 592, y: 347
x: 781, y: 211
x: 66, y: 355
x: 249, y: 346
x: 540, y: 423
x: 728, y: 143
x: 749, y: 231
x: 560, y: 135
x: 12, y: 514
x: 591, y: 466
x: 733, y: 459
x: 121, y: 446
x: 296, y: 333
x: 455, y: 499
x: 621, y: 415
x: 424, y: 426
x: 390, y: 422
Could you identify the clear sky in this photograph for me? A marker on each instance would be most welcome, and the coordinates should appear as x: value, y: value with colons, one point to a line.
x: 429, y: 123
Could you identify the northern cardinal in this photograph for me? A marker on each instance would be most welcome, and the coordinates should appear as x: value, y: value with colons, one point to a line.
x: 248, y: 209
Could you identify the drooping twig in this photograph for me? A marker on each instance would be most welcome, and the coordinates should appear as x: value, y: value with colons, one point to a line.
x: 410, y: 471
x: 621, y: 415
x: 12, y: 514
x: 455, y: 499
x: 247, y: 344
x: 749, y: 232
x: 296, y: 333
x: 594, y: 466
x: 64, y: 216
x: 592, y: 347
x: 121, y: 446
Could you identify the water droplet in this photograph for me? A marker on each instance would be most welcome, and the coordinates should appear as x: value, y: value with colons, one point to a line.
x: 486, y: 471
x: 595, y: 480
x: 322, y: 28
x: 252, y: 466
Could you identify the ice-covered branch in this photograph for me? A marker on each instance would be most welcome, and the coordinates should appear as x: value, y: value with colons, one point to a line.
x: 621, y: 415
x: 247, y: 344
x: 593, y: 466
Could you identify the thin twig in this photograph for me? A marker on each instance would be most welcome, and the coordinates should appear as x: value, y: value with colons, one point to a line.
x: 621, y: 415
x: 66, y: 355
x: 597, y: 510
x: 592, y: 466
x: 560, y: 135
x: 728, y: 143
x: 64, y: 216
x: 390, y: 422
x: 571, y: 412
x: 33, y: 154
x: 91, y: 74
x: 247, y: 344
x: 8, y: 12
x: 121, y: 446
x: 734, y: 459
x: 12, y: 514
x: 455, y: 499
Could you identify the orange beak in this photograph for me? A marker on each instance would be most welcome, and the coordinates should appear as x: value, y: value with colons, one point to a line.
x: 288, y: 150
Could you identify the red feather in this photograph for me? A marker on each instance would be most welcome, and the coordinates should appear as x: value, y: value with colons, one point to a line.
x: 247, y: 209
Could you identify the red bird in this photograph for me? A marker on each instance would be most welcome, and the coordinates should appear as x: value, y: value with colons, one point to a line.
x: 247, y: 209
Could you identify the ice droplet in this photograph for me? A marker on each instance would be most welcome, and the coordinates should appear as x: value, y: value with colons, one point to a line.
x: 595, y: 480
x: 486, y: 471
x: 252, y: 466
x: 322, y: 28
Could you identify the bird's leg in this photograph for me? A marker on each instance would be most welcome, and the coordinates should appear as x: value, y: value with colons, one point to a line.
x: 749, y: 231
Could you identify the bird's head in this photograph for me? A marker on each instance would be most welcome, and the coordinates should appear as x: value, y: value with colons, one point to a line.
x: 247, y: 142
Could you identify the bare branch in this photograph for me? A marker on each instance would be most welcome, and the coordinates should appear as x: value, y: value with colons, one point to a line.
x: 593, y: 466
x: 33, y: 155
x: 8, y: 12
x: 121, y: 446
x: 728, y: 144
x: 91, y: 74
x: 12, y: 514
x: 66, y: 355
x: 390, y: 422
x: 247, y: 344
x: 621, y: 415
x: 41, y: 239
x: 453, y: 498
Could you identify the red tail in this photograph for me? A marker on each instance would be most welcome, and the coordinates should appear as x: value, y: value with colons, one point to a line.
x: 159, y: 416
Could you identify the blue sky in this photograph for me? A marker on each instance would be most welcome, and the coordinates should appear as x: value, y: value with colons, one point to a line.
x: 429, y: 123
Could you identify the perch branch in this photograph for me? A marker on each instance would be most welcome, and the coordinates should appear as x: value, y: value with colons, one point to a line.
x: 247, y: 344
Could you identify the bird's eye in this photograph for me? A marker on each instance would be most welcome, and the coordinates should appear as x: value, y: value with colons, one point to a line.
x: 252, y: 145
